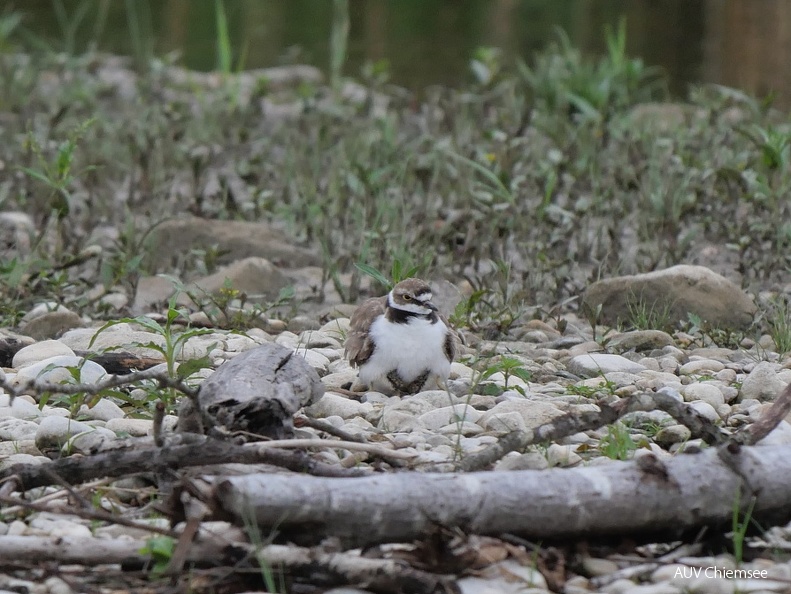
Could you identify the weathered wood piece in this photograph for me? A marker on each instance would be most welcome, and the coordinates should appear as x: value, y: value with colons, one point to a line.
x: 144, y: 457
x: 256, y: 392
x: 377, y: 575
x: 623, y: 497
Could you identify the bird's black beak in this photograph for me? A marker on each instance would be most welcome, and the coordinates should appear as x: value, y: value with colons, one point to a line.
x: 430, y: 305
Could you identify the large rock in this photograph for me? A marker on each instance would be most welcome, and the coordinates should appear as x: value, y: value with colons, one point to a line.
x: 232, y: 240
x: 256, y: 277
x: 673, y: 292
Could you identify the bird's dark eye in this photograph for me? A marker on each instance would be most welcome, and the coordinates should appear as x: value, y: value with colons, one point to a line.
x: 407, y: 297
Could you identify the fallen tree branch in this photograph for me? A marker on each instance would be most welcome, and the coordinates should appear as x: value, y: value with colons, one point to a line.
x: 34, y: 386
x: 686, y: 491
x: 572, y: 423
x: 377, y: 575
x: 202, y: 451
x: 770, y: 419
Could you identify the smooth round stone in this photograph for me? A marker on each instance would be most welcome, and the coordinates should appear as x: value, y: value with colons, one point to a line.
x: 460, y: 370
x: 332, y: 404
x: 54, y: 432
x: 331, y: 354
x: 90, y: 372
x: 534, y: 413
x: 673, y: 434
x: 12, y: 429
x: 288, y: 339
x: 316, y: 360
x: 20, y: 409
x: 701, y: 366
x: 706, y: 410
x: 528, y: 461
x: 52, y: 324
x: 302, y: 323
x: 103, y: 410
x: 20, y: 446
x: 705, y: 393
x: 593, y: 364
x: 41, y: 309
x: 200, y: 346
x: 433, y: 420
x: 39, y: 351
x: 727, y: 376
x: 505, y: 422
x: 339, y: 380
x: 315, y: 339
x: 21, y: 459
x: 124, y: 336
x: 466, y: 428
x: 560, y: 455
x: 132, y: 427
x: 338, y: 328
x: 762, y: 383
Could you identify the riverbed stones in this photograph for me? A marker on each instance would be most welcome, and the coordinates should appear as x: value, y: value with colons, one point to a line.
x: 672, y: 293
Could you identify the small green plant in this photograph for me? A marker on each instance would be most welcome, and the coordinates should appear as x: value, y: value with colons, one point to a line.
x: 618, y: 443
x: 778, y: 319
x: 607, y: 387
x: 171, y: 346
x: 399, y: 271
x: 57, y: 173
x: 648, y: 316
x: 739, y: 525
x: 160, y: 548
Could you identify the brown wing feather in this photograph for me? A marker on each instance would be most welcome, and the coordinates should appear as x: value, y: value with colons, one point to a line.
x: 359, y: 346
x: 451, y: 340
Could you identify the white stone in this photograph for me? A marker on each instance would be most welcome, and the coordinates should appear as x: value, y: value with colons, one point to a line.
x: 706, y: 410
x: 132, y: 427
x: 505, y: 422
x: 762, y: 383
x: 20, y: 409
x: 316, y: 360
x: 123, y: 336
x: 39, y: 351
x: 562, y: 455
x: 701, y: 367
x: 56, y: 431
x: 332, y: 404
x: 60, y: 370
x: 705, y: 393
x: 593, y: 364
x: 104, y: 410
x: 533, y: 412
x: 12, y: 429
x: 439, y: 417
x: 339, y: 380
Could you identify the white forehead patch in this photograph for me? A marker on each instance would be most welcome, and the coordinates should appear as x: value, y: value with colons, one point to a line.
x: 423, y: 297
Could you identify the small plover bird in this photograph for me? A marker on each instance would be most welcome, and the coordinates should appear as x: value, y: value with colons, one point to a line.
x: 400, y: 342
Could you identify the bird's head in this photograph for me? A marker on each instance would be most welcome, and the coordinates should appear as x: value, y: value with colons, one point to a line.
x: 412, y: 295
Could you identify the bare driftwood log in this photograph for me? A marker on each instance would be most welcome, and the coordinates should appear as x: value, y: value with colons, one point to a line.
x: 642, y: 495
x: 256, y: 392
